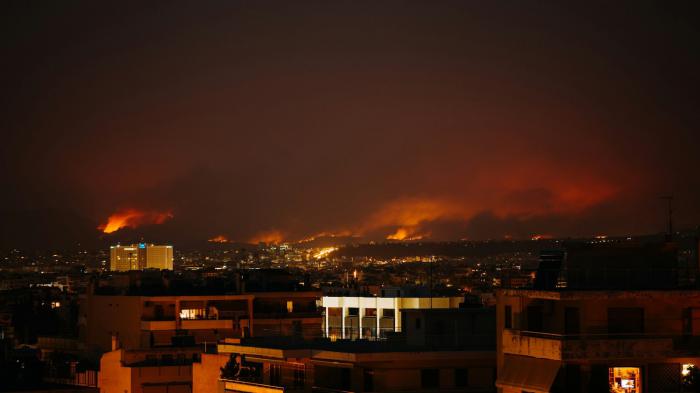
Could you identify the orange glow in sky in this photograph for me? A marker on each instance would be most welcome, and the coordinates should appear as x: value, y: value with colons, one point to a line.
x: 270, y: 237
x: 405, y: 234
x: 133, y: 218
x: 219, y: 239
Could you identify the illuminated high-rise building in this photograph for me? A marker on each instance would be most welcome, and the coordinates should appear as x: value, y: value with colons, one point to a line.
x: 141, y: 256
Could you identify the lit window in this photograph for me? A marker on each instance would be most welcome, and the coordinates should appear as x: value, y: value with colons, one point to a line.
x: 686, y: 369
x: 625, y: 379
x: 290, y: 306
x: 192, y: 313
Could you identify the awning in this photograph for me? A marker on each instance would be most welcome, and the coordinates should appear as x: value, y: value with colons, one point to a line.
x: 528, y: 373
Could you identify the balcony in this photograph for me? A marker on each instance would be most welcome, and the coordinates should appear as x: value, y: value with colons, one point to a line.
x: 158, y: 325
x: 287, y: 315
x: 588, y: 346
x: 200, y: 324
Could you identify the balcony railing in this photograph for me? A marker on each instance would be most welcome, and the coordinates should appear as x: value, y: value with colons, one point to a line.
x: 158, y: 325
x: 287, y: 315
x: 596, y: 345
x: 251, y: 387
x: 207, y: 324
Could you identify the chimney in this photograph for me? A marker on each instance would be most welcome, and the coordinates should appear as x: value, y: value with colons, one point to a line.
x: 115, y: 341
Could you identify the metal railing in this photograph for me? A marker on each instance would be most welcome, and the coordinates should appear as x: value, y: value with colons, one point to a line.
x: 679, y: 342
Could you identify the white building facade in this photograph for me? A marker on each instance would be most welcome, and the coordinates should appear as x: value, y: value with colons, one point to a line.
x: 357, y: 317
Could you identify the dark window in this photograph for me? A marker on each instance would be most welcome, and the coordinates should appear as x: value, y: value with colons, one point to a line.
x: 299, y: 377
x: 664, y: 377
x: 275, y: 374
x: 534, y: 318
x: 417, y: 323
x: 297, y: 328
x: 599, y: 378
x: 388, y: 313
x: 461, y: 378
x: 572, y: 373
x: 345, y: 379
x: 571, y: 320
x: 430, y: 378
x: 439, y: 327
x: 508, y: 317
x: 625, y: 320
x: 368, y: 378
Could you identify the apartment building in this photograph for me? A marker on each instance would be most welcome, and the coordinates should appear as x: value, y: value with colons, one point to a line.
x: 457, y: 360
x: 612, y: 318
x: 156, y: 321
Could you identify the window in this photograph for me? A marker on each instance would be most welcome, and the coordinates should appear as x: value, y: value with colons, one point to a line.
x: 461, y: 378
x: 572, y: 378
x: 534, y: 318
x: 192, y: 313
x: 508, y: 317
x: 388, y: 313
x: 368, y: 378
x: 299, y: 377
x: 290, y: 306
x: 625, y: 320
x: 275, y: 374
x: 628, y: 379
x: 430, y: 378
x: 345, y: 379
x: 571, y: 320
x: 664, y: 377
x: 418, y: 323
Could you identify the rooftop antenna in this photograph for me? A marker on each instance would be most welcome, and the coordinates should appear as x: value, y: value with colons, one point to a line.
x: 669, y: 199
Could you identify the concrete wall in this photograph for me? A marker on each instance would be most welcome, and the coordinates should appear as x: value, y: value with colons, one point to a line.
x: 663, y: 310
x: 113, y: 377
x: 206, y: 374
x: 161, y: 375
x: 106, y: 315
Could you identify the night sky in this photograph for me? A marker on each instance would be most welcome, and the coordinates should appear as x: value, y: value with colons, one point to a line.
x: 280, y: 121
